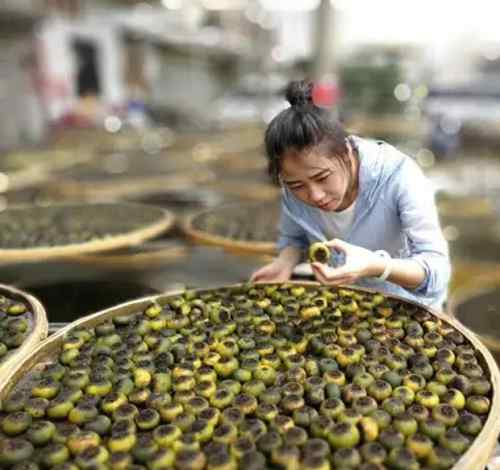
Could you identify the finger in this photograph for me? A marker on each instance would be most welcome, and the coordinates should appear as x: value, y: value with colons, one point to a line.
x: 320, y: 277
x: 330, y: 273
x: 258, y: 275
x: 320, y: 268
x: 342, y: 281
x: 332, y: 282
x: 254, y: 278
x: 338, y: 244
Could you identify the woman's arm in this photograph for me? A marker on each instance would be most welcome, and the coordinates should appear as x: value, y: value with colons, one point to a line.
x: 420, y: 223
x: 404, y: 272
x: 281, y: 268
x: 361, y: 262
x: 291, y: 245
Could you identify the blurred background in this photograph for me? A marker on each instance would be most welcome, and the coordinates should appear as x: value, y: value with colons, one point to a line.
x: 164, y: 103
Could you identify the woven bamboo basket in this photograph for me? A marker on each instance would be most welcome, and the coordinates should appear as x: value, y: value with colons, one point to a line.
x: 38, y: 330
x: 25, y: 169
x: 235, y: 216
x: 187, y: 202
x: 149, y: 222
x: 248, y: 190
x: 100, y: 140
x: 485, y: 324
x: 157, y: 139
x: 127, y: 187
x: 465, y: 272
x: 476, y: 457
x: 148, y: 255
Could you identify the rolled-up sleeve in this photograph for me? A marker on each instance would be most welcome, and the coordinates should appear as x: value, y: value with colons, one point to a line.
x: 420, y: 224
x: 290, y: 232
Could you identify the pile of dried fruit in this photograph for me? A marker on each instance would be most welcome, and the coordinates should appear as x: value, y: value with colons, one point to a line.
x: 15, y: 324
x: 243, y: 223
x: 49, y: 226
x: 253, y: 377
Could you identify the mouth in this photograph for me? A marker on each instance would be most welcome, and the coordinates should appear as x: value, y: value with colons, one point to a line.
x: 324, y: 205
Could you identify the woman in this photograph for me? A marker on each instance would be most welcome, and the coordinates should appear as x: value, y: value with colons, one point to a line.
x: 370, y: 203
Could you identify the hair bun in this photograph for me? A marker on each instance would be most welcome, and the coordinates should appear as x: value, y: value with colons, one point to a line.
x: 299, y: 93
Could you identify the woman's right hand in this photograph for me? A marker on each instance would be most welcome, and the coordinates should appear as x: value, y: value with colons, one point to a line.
x: 277, y: 271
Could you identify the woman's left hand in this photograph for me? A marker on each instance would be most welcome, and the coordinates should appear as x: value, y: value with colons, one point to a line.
x: 359, y: 262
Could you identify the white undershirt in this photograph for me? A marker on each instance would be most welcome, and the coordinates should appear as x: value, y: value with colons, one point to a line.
x: 338, y: 223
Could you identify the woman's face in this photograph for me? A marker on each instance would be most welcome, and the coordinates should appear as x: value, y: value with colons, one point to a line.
x: 316, y: 179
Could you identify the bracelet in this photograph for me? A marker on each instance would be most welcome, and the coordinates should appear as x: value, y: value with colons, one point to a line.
x: 388, y: 266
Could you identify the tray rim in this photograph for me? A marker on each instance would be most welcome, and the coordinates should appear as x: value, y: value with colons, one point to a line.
x: 165, y: 222
x: 38, y: 333
x: 202, y: 236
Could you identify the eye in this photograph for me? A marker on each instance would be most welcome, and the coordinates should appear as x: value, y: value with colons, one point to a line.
x: 296, y: 187
x: 324, y: 177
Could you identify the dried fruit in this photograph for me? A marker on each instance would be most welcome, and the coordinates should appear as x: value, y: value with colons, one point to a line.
x: 253, y: 377
x: 319, y: 252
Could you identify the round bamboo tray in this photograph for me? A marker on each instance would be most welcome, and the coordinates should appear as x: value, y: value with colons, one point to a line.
x: 237, y: 215
x: 127, y: 187
x: 150, y: 222
x: 148, y: 255
x: 208, y: 195
x: 476, y: 457
x: 248, y: 190
x: 484, y: 323
x: 25, y: 169
x: 101, y: 140
x: 466, y: 272
x: 187, y: 202
x: 38, y: 326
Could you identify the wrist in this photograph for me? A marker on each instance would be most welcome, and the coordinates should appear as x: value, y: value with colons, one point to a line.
x: 285, y: 264
x: 289, y: 256
x: 377, y: 266
x: 382, y: 265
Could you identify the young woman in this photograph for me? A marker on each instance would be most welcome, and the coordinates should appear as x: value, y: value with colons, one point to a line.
x: 369, y: 202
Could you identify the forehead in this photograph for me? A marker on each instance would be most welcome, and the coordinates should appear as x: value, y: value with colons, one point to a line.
x: 306, y: 162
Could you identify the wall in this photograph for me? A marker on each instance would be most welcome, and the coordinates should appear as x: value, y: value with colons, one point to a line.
x: 187, y: 81
x: 59, y: 67
x: 23, y: 119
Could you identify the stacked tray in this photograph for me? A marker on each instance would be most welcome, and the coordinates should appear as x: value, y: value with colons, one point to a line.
x: 477, y: 306
x: 255, y: 376
x: 245, y: 227
x: 35, y: 233
x: 23, y: 324
x: 149, y: 140
x: 26, y: 168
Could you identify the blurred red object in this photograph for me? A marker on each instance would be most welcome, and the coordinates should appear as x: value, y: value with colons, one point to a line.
x: 325, y: 94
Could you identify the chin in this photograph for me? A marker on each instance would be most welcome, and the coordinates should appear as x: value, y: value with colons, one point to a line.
x: 330, y: 207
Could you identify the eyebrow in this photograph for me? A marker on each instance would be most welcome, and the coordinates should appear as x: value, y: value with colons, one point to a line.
x: 316, y: 175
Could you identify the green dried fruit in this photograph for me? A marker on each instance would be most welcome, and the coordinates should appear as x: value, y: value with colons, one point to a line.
x: 319, y: 253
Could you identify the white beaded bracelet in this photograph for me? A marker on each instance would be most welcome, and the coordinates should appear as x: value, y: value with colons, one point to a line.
x: 388, y: 266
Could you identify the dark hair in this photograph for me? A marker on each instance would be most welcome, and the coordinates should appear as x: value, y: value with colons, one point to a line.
x: 302, y: 126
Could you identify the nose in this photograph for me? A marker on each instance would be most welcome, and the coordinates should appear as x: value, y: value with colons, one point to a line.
x: 316, y: 194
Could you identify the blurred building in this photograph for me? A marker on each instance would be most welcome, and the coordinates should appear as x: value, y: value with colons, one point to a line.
x: 24, y: 119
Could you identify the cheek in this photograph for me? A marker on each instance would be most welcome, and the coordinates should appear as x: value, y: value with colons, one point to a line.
x: 337, y: 186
